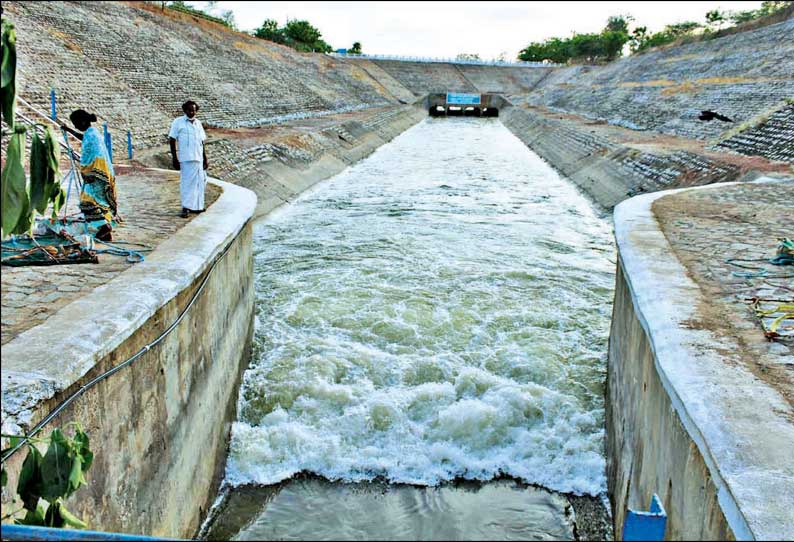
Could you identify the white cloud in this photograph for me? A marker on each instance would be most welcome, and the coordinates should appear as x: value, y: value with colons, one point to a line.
x: 444, y: 29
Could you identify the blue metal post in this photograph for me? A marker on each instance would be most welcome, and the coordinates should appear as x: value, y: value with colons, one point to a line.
x: 52, y: 104
x: 646, y: 525
x: 108, y: 142
x: 129, y: 145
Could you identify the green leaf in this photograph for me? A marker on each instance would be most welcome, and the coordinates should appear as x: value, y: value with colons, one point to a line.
x: 70, y: 519
x: 13, y: 193
x: 83, y: 449
x: 56, y: 465
x: 29, y: 485
x: 25, y: 218
x: 9, y: 63
x: 45, y: 184
x: 33, y: 517
x: 76, y: 478
x: 8, y: 70
x: 57, y: 202
x: 39, y: 174
x: 55, y: 193
x: 53, y: 150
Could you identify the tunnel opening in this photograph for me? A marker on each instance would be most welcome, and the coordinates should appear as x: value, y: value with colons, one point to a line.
x: 437, y: 111
x: 454, y: 104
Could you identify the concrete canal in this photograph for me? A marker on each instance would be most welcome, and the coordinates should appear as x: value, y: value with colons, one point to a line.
x: 438, y: 312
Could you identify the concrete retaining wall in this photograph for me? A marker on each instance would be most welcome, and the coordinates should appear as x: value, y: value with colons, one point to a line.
x: 648, y: 449
x: 158, y: 427
x: 686, y: 418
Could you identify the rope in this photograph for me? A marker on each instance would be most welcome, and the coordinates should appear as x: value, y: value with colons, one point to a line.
x: 133, y: 256
x: 66, y: 402
x: 784, y: 256
x: 758, y: 271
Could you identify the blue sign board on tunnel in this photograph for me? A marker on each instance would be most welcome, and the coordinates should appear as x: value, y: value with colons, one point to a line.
x: 454, y: 98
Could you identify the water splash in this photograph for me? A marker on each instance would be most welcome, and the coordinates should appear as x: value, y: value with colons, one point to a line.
x: 439, y: 310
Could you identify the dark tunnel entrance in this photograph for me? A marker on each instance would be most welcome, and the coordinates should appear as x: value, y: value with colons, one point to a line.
x: 462, y: 111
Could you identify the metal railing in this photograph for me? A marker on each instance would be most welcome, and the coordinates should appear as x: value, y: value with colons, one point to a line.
x: 432, y: 60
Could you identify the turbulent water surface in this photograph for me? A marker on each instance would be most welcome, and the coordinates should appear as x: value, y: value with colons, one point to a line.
x: 437, y: 311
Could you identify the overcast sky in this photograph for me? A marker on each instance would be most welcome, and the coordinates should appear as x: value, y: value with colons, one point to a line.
x: 445, y: 29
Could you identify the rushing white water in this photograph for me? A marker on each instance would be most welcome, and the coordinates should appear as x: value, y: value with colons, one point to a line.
x: 438, y: 310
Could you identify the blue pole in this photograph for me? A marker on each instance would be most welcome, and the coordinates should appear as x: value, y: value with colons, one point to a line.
x: 108, y: 143
x: 52, y: 104
x: 129, y: 145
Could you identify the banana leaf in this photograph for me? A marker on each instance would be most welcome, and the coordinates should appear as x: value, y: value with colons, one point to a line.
x: 55, y: 194
x: 8, y: 70
x: 39, y: 173
x: 25, y: 222
x: 44, y: 172
x: 13, y: 192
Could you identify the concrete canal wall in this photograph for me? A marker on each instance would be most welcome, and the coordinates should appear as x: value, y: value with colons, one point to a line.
x: 689, y: 415
x: 159, y: 428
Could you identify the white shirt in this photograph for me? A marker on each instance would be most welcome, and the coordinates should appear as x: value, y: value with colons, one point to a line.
x: 189, y: 137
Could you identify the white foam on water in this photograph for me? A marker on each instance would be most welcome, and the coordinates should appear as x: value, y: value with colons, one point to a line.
x: 439, y: 310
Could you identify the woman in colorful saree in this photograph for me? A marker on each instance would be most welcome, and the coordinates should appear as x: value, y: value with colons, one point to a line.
x: 98, y: 198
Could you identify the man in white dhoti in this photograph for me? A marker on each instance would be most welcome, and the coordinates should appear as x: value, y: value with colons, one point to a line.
x: 187, y: 133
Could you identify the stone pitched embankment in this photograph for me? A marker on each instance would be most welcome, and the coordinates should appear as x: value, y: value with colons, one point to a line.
x: 611, y: 163
x: 134, y: 64
x: 772, y: 137
x: 632, y: 126
x: 741, y: 76
x: 423, y: 78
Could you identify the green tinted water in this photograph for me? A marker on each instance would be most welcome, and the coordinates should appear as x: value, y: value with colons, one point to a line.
x: 438, y: 311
